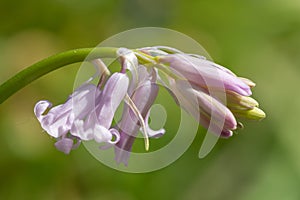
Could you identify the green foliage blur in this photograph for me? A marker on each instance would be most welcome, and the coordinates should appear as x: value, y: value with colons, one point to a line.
x: 255, y: 39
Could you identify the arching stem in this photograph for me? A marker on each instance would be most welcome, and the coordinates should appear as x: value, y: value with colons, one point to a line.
x: 50, y: 64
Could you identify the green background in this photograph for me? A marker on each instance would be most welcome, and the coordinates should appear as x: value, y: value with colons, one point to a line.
x: 255, y: 39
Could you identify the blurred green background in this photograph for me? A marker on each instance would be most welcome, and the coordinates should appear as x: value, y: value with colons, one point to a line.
x: 255, y: 39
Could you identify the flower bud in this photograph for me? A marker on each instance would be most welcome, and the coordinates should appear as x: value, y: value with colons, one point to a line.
x: 253, y: 114
x: 239, y: 102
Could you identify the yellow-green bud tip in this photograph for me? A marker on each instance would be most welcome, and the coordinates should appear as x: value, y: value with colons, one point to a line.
x: 253, y: 114
x: 248, y: 102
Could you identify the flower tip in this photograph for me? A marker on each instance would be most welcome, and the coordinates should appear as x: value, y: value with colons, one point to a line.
x: 261, y: 113
x: 258, y: 114
x: 226, y: 134
x: 64, y: 145
x: 249, y: 102
x: 248, y: 82
x: 253, y: 114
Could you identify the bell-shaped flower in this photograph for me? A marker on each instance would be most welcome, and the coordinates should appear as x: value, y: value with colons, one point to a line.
x: 96, y: 126
x: 57, y: 121
x: 86, y: 115
x: 143, y: 91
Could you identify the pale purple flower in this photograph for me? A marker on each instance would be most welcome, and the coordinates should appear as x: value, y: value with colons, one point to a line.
x: 97, y: 124
x: 205, y: 73
x: 142, y: 93
x: 57, y: 122
x: 201, y: 106
x: 143, y: 97
x: 86, y: 115
x: 66, y: 144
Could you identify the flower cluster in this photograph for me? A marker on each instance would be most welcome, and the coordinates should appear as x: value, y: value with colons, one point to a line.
x: 212, y: 94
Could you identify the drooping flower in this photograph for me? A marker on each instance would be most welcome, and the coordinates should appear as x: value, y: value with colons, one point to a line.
x: 57, y: 122
x: 142, y: 98
x: 143, y: 91
x: 97, y: 124
x: 86, y: 115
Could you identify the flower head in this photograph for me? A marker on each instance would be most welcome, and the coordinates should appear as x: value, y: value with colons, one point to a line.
x: 211, y: 93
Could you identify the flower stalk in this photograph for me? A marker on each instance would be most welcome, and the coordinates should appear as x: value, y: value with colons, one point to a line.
x: 50, y: 64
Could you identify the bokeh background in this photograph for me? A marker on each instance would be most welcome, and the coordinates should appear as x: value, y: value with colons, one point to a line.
x: 256, y: 39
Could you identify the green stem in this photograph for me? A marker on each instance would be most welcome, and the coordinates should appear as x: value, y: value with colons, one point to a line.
x: 154, y: 61
x: 49, y: 64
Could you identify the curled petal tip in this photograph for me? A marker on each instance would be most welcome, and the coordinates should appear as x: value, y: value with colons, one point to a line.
x: 40, y: 108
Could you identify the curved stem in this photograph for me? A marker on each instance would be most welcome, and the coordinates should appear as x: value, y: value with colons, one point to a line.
x: 49, y: 64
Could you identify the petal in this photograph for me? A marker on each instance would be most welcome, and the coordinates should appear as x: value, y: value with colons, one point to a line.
x: 64, y: 145
x: 197, y: 101
x: 130, y: 61
x: 111, y: 97
x: 168, y: 49
x: 102, y: 134
x: 214, y: 127
x: 122, y: 155
x: 155, y: 51
x: 83, y: 100
x: 205, y: 73
x: 82, y: 130
x: 248, y: 82
x: 97, y: 122
x: 153, y: 133
x: 142, y: 97
x: 57, y: 121
x: 226, y: 133
x: 184, y: 98
x: 40, y: 107
x: 115, y: 133
x: 216, y: 109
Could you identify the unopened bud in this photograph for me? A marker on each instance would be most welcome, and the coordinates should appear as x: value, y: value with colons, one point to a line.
x: 254, y: 114
x: 239, y: 102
